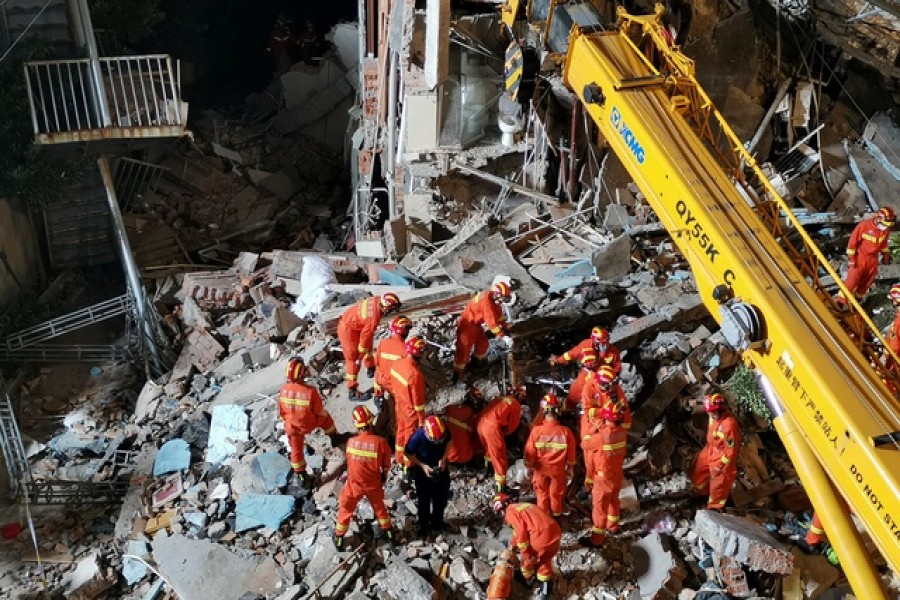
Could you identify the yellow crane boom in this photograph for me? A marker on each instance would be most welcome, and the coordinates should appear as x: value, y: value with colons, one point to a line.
x: 758, y: 273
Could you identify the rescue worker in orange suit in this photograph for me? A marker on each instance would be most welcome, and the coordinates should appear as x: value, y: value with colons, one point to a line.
x: 407, y: 387
x: 501, y: 417
x: 356, y: 332
x: 300, y: 407
x: 716, y: 467
x: 426, y: 450
x: 609, y: 448
x: 536, y: 537
x: 390, y: 350
x: 606, y: 354
x: 368, y: 463
x: 893, y: 334
x: 550, y: 458
x: 588, y: 361
x: 600, y: 391
x: 867, y: 247
x: 500, y: 583
x: 482, y: 311
x: 460, y: 418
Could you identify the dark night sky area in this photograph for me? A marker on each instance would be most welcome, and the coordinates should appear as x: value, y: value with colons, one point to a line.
x: 229, y: 54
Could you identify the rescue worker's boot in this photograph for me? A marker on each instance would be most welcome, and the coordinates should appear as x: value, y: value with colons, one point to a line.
x: 546, y: 590
x: 591, y: 541
x: 339, y: 542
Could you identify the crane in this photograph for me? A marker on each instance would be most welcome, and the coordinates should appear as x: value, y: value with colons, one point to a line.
x: 760, y: 275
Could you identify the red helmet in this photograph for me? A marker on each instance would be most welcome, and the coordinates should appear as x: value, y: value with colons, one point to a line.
x: 295, y: 371
x: 713, y: 402
x: 415, y: 346
x: 606, y: 375
x: 518, y: 391
x: 613, y: 411
x: 401, y: 326
x: 600, y: 338
x: 363, y: 417
x: 474, y: 395
x: 501, y: 291
x: 589, y: 360
x: 390, y: 302
x: 435, y: 429
x: 894, y: 294
x: 500, y: 502
x: 885, y: 216
x: 550, y: 403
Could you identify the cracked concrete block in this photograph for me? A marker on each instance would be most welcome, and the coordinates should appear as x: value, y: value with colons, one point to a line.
x: 174, y: 455
x: 325, y: 559
x: 659, y: 573
x: 401, y: 582
x: 229, y: 426
x: 614, y: 259
x: 262, y: 510
x: 744, y: 540
x: 90, y: 579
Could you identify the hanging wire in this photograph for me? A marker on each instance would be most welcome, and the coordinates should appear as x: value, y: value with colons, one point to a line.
x: 21, y: 35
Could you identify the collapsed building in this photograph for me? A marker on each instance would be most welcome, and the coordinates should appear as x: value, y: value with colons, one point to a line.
x: 469, y: 158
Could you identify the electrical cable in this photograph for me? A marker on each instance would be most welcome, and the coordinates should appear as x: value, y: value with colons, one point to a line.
x: 21, y: 35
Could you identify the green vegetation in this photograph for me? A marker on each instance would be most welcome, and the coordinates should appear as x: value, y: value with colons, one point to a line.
x: 744, y: 389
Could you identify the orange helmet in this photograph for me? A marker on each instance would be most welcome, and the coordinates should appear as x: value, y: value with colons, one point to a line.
x: 885, y: 216
x: 606, y: 375
x: 295, y: 371
x: 501, y: 291
x: 518, y: 391
x: 600, y: 338
x: 435, y: 430
x: 894, y: 294
x: 613, y: 411
x: 415, y: 346
x: 550, y: 403
x: 589, y: 360
x: 713, y: 402
x: 363, y: 417
x: 390, y: 302
x: 500, y: 502
x: 401, y: 326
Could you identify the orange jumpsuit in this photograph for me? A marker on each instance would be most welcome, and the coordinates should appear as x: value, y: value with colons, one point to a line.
x: 389, y: 351
x: 481, y: 310
x: 866, y: 247
x: 407, y: 386
x: 356, y: 332
x: 500, y: 584
x: 368, y: 461
x: 300, y: 406
x: 550, y: 452
x: 610, y: 445
x: 716, y: 466
x: 816, y: 532
x: 464, y: 443
x: 611, y: 358
x: 499, y: 418
x: 536, y: 536
x: 593, y: 399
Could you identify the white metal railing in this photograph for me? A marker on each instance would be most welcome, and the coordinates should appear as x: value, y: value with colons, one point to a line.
x: 120, y: 91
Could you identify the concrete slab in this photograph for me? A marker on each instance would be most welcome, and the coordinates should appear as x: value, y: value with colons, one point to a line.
x: 246, y: 390
x: 401, y: 582
x: 229, y: 425
x: 613, y: 260
x: 325, y: 559
x: 744, y: 540
x: 174, y: 455
x: 90, y: 579
x: 202, y: 570
x: 656, y: 568
x: 261, y: 510
x: 274, y: 469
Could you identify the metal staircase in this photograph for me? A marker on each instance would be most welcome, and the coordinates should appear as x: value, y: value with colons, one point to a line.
x: 79, y: 229
x: 11, y: 443
x: 58, y: 326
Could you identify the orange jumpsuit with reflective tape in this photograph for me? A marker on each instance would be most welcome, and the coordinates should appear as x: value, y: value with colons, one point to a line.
x: 816, y: 532
x: 500, y: 584
x: 716, y: 467
x: 594, y: 399
x: 611, y: 358
x: 464, y: 443
x: 407, y: 386
x: 499, y: 418
x: 610, y: 447
x: 481, y: 310
x: 368, y: 461
x: 356, y: 332
x: 389, y: 351
x: 536, y: 537
x: 867, y: 247
x: 550, y: 453
x: 300, y: 406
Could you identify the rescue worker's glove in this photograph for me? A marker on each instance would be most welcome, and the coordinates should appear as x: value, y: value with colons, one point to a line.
x: 370, y: 371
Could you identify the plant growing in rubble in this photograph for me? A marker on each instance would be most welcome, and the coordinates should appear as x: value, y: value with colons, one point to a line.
x: 746, y: 392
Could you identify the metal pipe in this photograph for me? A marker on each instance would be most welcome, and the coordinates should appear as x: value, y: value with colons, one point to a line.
x: 132, y: 275
x: 570, y: 188
x: 97, y: 75
x: 842, y: 533
x: 387, y: 166
x: 779, y: 96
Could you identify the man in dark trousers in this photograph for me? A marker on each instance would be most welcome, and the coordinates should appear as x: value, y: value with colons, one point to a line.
x: 426, y: 450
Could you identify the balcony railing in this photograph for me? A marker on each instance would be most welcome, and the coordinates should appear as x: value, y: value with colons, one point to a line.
x: 110, y: 98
